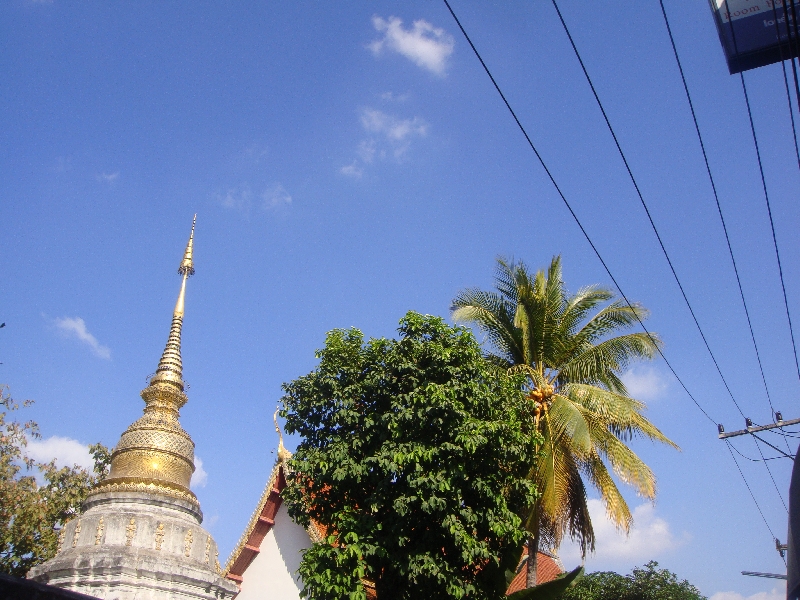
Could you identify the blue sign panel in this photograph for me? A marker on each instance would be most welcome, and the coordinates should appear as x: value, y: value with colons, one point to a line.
x: 755, y: 33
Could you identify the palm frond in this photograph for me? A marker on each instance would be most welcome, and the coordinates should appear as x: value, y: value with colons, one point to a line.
x: 613, y: 355
x: 626, y: 465
x: 577, y: 518
x: 552, y: 470
x: 494, y: 317
x: 617, y: 315
x: 617, y: 509
x: 578, y: 306
x: 573, y: 344
x: 569, y: 426
x: 621, y: 414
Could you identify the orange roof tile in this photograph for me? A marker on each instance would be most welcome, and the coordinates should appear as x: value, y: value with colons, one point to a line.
x: 547, y: 569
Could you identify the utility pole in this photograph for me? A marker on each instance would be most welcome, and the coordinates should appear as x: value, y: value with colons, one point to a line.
x: 790, y: 550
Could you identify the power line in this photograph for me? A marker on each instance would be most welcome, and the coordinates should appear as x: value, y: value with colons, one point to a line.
x: 771, y: 221
x: 716, y: 200
x: 766, y: 464
x: 783, y: 68
x: 644, y: 205
x: 570, y: 209
x: 764, y: 185
x: 744, y: 456
x: 591, y: 244
x: 730, y: 248
x: 747, y: 485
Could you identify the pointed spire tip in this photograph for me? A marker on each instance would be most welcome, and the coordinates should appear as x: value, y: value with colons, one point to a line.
x: 187, y: 264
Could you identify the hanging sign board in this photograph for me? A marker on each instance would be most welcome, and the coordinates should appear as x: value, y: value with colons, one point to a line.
x: 755, y: 33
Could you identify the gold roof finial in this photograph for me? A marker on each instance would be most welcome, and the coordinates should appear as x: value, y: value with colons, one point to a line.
x: 283, y: 453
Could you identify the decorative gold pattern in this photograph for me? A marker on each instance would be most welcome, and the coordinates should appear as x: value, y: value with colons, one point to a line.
x: 152, y: 465
x: 146, y: 487
x: 187, y: 543
x: 159, y: 536
x: 155, y: 450
x: 130, y: 531
x: 98, y: 536
x: 61, y: 535
x: 216, y: 560
x: 176, y: 442
x: 208, y: 548
x: 77, y: 533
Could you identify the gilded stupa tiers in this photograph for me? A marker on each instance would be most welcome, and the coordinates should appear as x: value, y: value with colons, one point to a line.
x: 139, y: 534
x: 155, y: 454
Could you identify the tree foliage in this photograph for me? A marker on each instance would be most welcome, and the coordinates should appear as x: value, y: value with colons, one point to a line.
x: 644, y: 583
x: 31, y: 510
x: 413, y: 459
x: 570, y: 349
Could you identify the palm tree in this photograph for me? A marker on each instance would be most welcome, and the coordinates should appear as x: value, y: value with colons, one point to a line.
x: 573, y: 361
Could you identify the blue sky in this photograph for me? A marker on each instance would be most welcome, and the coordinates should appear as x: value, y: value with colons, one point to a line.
x: 350, y: 162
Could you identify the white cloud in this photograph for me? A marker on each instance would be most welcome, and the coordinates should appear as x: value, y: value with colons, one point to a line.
x: 76, y: 328
x: 199, y: 477
x: 237, y: 198
x: 276, y: 198
x: 644, y: 383
x: 108, y: 177
x: 366, y: 150
x: 392, y: 128
x: 389, y: 135
x: 67, y: 452
x: 425, y: 45
x: 650, y: 537
x: 777, y: 593
x: 352, y: 170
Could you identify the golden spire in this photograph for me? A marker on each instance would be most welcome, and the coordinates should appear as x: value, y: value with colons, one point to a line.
x: 155, y: 455
x: 170, y: 367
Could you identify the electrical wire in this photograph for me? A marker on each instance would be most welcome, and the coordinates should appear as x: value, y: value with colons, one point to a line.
x: 766, y: 464
x: 773, y: 447
x: 747, y: 485
x: 730, y: 249
x: 771, y: 221
x: 796, y: 48
x: 783, y: 68
x: 571, y: 211
x: 644, y: 205
x: 591, y: 244
x: 755, y: 459
x: 716, y: 199
x: 766, y: 194
x: 791, y: 110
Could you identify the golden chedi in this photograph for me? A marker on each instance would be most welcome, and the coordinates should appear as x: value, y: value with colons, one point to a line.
x: 138, y: 536
x: 155, y: 454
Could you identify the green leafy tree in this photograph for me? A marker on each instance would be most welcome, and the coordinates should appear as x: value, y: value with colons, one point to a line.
x: 567, y: 348
x: 644, y: 583
x: 30, y: 512
x: 413, y: 459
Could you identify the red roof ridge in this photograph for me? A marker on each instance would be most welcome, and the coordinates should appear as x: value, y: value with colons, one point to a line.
x: 261, y: 522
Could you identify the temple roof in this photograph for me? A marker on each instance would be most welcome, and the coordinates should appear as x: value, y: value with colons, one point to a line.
x: 263, y: 520
x: 548, y: 567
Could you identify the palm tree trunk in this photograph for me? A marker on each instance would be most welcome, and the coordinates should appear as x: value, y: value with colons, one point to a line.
x: 533, y: 525
x: 533, y: 560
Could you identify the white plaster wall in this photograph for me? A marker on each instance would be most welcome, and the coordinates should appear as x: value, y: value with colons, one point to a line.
x: 273, y: 573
